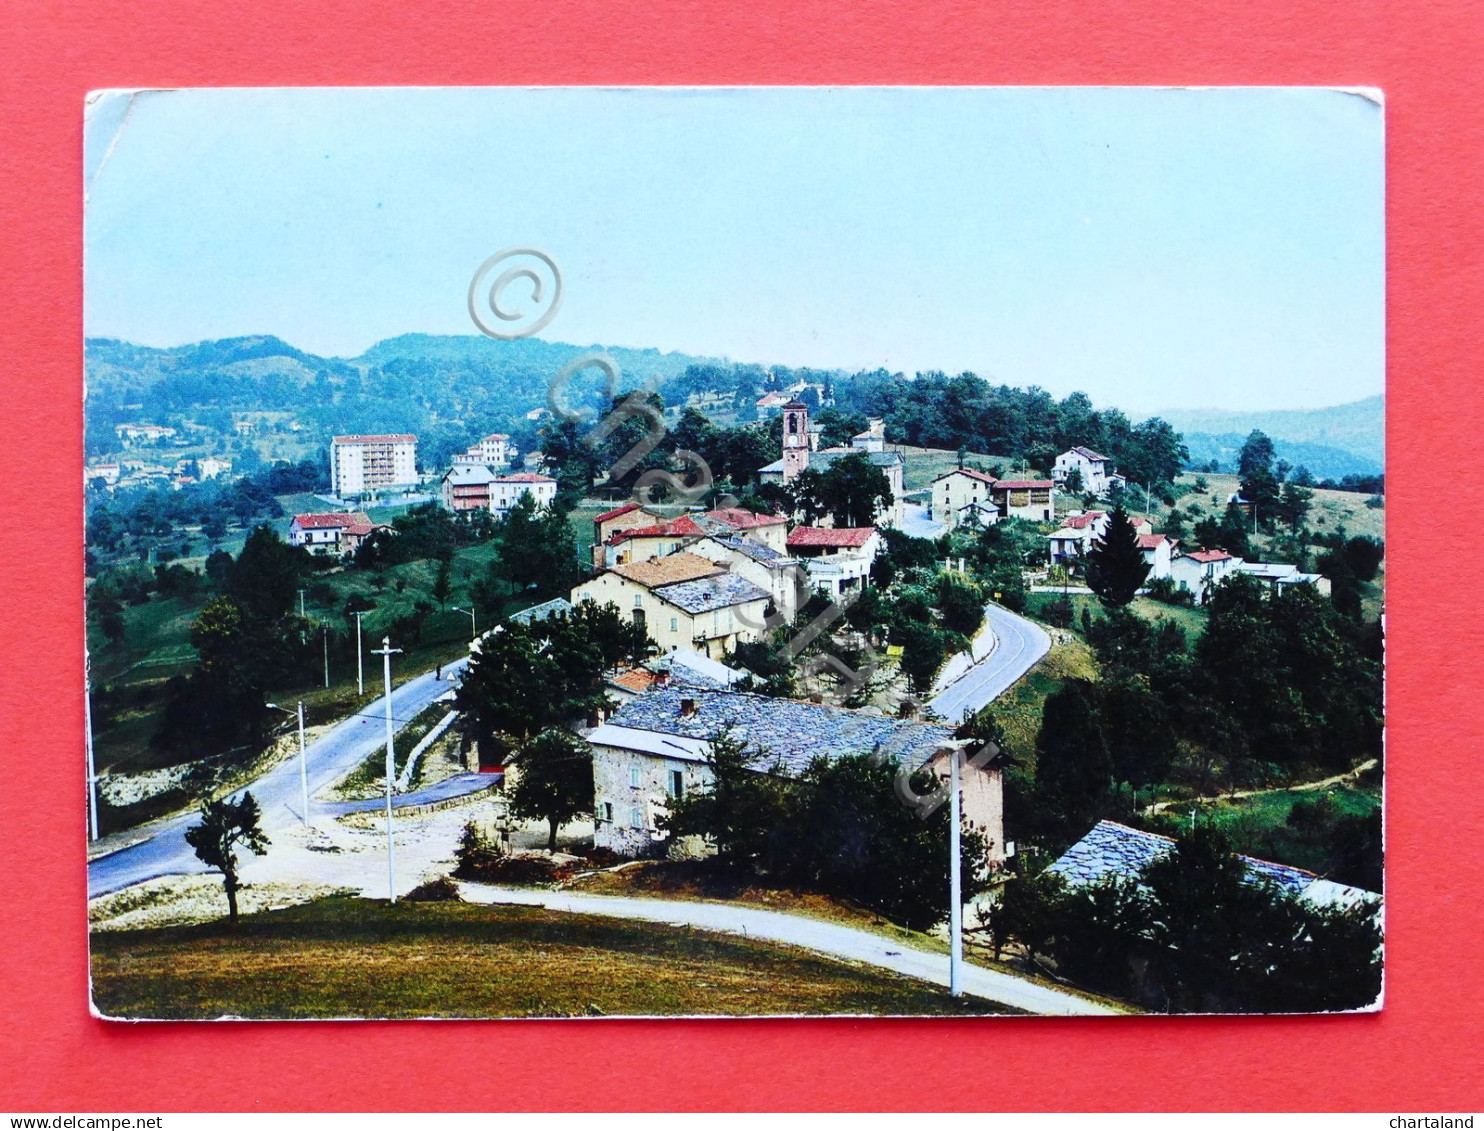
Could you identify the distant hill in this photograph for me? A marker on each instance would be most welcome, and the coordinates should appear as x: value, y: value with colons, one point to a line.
x: 1326, y: 435
x: 1322, y: 461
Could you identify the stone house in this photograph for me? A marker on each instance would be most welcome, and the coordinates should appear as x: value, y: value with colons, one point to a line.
x: 654, y: 749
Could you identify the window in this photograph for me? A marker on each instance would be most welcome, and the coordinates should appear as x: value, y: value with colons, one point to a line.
x: 674, y: 624
x: 676, y: 784
x: 634, y: 782
x: 605, y: 811
x: 636, y: 818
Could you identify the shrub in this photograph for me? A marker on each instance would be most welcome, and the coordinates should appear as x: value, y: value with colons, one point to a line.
x: 441, y: 890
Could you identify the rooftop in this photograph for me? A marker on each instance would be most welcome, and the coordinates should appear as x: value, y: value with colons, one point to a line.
x: 1114, y: 849
x: 468, y: 475
x: 739, y: 519
x: 681, y: 527
x: 787, y: 731
x: 669, y: 570
x: 853, y: 536
x: 751, y: 549
x: 1205, y: 557
x: 387, y: 438
x: 558, y: 606
x: 619, y: 512
x: 1024, y: 484
x: 971, y: 472
x: 1081, y: 521
x: 1088, y: 453
x: 331, y: 521
x: 523, y: 477
x: 708, y: 594
x: 1154, y: 541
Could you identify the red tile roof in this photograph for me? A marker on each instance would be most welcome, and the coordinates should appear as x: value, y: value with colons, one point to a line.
x: 972, y: 473
x: 830, y: 536
x: 618, y: 512
x: 1206, y: 556
x: 1079, y: 521
x: 635, y: 679
x: 1023, y: 484
x: 328, y: 521
x: 678, y: 527
x: 739, y: 519
x: 1152, y: 541
x: 523, y: 477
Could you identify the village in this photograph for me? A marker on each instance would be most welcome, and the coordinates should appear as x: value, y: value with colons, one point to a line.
x: 833, y: 619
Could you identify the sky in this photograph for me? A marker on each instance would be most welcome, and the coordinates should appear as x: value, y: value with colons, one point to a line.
x: 1154, y: 248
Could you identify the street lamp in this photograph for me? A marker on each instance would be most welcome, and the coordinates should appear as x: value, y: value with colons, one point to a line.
x: 954, y: 750
x: 473, y: 625
x: 303, y: 759
x: 360, y: 676
x: 386, y: 651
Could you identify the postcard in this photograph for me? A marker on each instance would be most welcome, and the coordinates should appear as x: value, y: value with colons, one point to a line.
x: 583, y: 552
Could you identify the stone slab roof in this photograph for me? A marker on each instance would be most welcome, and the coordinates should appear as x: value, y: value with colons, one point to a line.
x: 707, y: 594
x: 1114, y: 849
x: 785, y: 732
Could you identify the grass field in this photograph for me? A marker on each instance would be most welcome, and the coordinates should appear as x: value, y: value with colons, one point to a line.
x: 923, y: 465
x: 1259, y: 825
x: 346, y: 957
x: 1192, y: 620
x: 1329, y: 511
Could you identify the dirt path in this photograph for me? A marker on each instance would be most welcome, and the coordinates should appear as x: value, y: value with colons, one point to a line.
x: 1338, y: 779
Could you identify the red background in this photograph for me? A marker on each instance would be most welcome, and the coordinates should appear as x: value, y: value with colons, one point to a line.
x: 1422, y: 1053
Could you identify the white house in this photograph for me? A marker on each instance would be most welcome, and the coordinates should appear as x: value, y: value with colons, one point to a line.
x: 1159, y: 552
x: 494, y: 450
x: 838, y: 559
x: 362, y: 463
x: 1078, y: 532
x: 1196, y: 572
x: 330, y: 533
x: 1278, y: 576
x: 654, y: 750
x: 1096, y: 471
x: 507, y: 490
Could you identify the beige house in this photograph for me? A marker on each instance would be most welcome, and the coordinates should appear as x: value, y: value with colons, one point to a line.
x: 785, y: 579
x: 1030, y: 499
x: 683, y: 600
x: 1196, y: 572
x: 621, y: 518
x: 960, y: 488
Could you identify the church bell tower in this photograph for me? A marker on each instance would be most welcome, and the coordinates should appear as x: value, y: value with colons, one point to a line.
x: 795, y: 439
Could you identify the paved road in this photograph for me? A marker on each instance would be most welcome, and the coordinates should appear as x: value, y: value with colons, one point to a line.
x: 915, y: 522
x: 818, y: 935
x: 460, y: 785
x: 335, y: 753
x: 1021, y: 644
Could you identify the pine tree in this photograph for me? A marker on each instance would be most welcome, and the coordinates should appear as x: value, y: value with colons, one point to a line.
x: 1115, y: 566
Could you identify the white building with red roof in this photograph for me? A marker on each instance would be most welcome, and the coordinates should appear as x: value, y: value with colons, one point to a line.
x: 1159, y: 552
x: 494, y: 450
x: 336, y: 534
x: 363, y: 463
x: 1196, y: 572
x: 507, y: 490
x: 838, y: 558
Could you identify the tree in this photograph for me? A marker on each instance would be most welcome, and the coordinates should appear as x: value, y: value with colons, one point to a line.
x: 555, y: 782
x: 1027, y: 912
x: 961, y: 604
x: 742, y: 811
x: 1074, y: 769
x: 1260, y: 483
x: 442, y: 583
x: 265, y: 578
x: 851, y: 491
x: 226, y: 825
x: 1115, y: 565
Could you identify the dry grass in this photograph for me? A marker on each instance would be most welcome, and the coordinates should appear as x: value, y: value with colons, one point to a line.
x: 357, y: 958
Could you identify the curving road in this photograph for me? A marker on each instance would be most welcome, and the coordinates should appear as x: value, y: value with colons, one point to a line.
x: 1021, y: 645
x: 330, y: 757
x: 819, y: 935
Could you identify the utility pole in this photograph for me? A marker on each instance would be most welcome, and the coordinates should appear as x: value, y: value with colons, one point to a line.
x: 92, y: 768
x: 386, y: 651
x: 360, y: 675
x: 473, y: 624
x: 324, y: 631
x: 301, y: 604
x: 955, y: 887
x: 303, y: 768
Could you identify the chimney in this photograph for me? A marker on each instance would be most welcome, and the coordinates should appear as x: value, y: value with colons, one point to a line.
x: 662, y: 678
x: 687, y: 707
